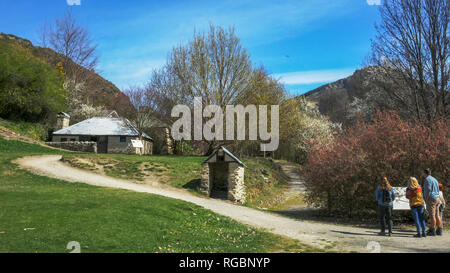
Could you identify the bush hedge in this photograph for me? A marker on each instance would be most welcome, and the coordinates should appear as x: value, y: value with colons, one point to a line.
x: 343, y: 176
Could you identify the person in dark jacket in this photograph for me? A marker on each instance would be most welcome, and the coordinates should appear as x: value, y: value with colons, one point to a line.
x: 385, y: 196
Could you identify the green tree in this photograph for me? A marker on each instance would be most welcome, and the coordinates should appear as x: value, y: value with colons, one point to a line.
x: 30, y: 89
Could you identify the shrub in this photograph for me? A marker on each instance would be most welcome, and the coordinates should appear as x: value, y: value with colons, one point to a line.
x: 36, y: 131
x: 30, y: 89
x: 343, y: 176
x: 300, y: 124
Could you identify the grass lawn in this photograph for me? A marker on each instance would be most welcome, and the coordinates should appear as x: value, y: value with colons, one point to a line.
x: 40, y: 214
x: 264, y: 180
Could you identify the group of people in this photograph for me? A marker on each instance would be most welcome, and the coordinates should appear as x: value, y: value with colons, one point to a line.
x: 431, y: 195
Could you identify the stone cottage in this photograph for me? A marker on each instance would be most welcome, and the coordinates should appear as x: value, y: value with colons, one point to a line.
x: 109, y: 135
x: 223, y: 176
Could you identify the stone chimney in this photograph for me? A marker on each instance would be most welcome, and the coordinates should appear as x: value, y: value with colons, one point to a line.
x: 62, y: 121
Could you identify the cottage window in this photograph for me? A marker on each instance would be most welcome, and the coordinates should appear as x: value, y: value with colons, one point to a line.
x: 123, y: 139
x: 63, y: 139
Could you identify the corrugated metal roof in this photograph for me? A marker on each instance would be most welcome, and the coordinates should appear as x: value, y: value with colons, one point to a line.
x: 64, y: 114
x: 109, y: 113
x: 227, y: 152
x: 101, y: 126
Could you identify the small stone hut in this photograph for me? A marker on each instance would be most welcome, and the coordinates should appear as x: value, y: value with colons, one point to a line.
x: 223, y: 176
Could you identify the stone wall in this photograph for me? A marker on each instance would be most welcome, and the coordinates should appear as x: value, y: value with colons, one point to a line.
x: 162, y: 139
x: 169, y: 141
x: 79, y: 146
x: 117, y: 147
x: 204, y: 184
x: 236, y: 187
x: 61, y: 123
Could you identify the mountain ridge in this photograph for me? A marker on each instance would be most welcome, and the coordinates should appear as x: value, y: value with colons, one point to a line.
x: 334, y: 99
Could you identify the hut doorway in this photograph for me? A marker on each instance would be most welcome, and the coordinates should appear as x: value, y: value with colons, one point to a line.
x: 219, y: 181
x: 102, y: 144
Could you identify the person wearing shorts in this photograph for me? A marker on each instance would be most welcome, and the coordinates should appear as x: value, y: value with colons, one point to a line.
x: 431, y: 196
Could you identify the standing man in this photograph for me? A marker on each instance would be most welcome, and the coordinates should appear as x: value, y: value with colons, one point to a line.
x: 431, y: 196
x: 385, y: 196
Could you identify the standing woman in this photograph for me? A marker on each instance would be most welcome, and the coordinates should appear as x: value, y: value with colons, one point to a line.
x: 385, y: 196
x: 414, y: 194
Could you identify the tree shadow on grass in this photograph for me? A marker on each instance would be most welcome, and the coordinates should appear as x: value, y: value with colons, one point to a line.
x: 193, y: 185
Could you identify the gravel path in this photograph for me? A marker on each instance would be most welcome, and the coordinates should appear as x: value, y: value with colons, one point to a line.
x: 337, y: 238
x: 296, y: 182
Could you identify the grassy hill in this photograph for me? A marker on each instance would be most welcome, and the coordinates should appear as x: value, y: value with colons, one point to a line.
x: 41, y: 214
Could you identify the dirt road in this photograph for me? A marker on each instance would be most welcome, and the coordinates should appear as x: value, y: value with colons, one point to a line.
x: 337, y: 238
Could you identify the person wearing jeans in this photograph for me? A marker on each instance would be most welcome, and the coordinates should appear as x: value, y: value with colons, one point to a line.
x: 414, y: 194
x: 385, y: 213
x: 385, y: 196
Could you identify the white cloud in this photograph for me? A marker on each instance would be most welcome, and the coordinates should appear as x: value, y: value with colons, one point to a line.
x: 257, y: 24
x: 374, y: 2
x: 315, y: 76
x: 73, y: 2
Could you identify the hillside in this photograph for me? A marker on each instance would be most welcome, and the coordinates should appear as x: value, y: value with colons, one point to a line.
x: 371, y: 88
x: 334, y: 99
x: 101, y: 92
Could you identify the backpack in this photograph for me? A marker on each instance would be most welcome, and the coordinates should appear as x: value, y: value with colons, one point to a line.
x: 387, y: 199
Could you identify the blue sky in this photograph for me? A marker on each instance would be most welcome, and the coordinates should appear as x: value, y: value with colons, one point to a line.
x: 304, y: 43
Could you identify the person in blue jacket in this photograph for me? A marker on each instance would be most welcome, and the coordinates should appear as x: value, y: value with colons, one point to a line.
x: 385, y: 196
x: 433, y: 202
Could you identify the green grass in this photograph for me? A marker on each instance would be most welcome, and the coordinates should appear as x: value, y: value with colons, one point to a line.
x: 177, y: 171
x: 263, y: 189
x: 295, y: 201
x: 40, y: 214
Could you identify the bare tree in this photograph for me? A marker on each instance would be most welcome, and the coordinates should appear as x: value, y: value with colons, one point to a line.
x: 143, y: 116
x: 412, y: 45
x: 213, y: 66
x: 74, y: 43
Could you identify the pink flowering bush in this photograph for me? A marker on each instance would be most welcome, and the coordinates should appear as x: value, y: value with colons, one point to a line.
x: 343, y: 176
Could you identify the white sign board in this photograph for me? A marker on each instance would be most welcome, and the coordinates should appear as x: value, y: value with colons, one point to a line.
x: 137, y: 143
x: 400, y: 202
